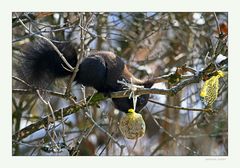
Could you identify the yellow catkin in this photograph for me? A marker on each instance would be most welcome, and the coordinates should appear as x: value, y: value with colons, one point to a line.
x: 132, y: 125
x: 209, y: 91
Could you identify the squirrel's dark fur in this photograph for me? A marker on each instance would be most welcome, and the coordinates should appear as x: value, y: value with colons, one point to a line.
x: 41, y: 64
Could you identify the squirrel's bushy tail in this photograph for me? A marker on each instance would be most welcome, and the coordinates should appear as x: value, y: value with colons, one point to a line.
x: 40, y: 64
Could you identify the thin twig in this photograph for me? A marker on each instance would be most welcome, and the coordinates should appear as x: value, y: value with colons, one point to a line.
x: 63, y: 127
x: 171, y: 92
x: 203, y: 135
x: 49, y: 41
x: 103, y: 130
x: 174, y: 138
x: 184, y: 130
x: 41, y: 98
x: 32, y: 91
x: 105, y: 147
x: 76, y: 150
x: 51, y: 118
x: 135, y: 144
x: 217, y: 22
x: 20, y: 80
x: 43, y: 122
x: 180, y: 108
x: 81, y: 55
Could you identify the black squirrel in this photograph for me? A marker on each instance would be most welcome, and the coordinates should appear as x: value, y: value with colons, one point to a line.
x: 40, y: 65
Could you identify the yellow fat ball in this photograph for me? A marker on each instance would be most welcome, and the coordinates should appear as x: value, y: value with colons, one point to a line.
x: 132, y: 125
x: 209, y: 91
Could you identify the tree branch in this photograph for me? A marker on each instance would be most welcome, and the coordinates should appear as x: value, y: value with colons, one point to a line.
x: 180, y: 108
x: 171, y: 92
x: 50, y: 43
x: 43, y: 123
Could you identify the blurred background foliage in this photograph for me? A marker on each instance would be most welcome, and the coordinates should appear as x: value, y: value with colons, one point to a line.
x: 152, y: 44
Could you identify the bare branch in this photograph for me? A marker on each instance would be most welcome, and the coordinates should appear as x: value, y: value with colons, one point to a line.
x: 173, y: 91
x: 180, y: 108
x: 49, y: 41
x: 217, y: 22
x: 43, y: 123
x: 20, y: 80
x: 172, y: 137
x: 81, y: 54
x: 103, y: 130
